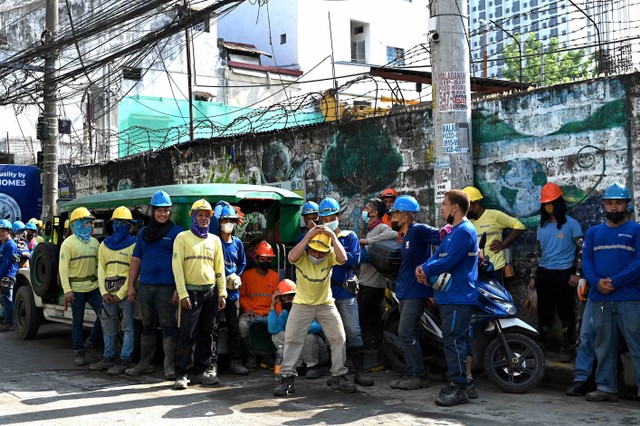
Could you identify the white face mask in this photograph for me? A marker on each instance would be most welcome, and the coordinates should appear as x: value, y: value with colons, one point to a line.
x: 332, y: 225
x: 315, y: 260
x: 227, y: 228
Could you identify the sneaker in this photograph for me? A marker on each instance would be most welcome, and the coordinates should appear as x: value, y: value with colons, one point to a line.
x: 119, y: 368
x: 79, y: 358
x: 343, y: 384
x: 181, y: 383
x: 103, y: 364
x: 472, y: 391
x: 286, y: 387
x: 578, y: 389
x: 6, y: 327
x: 236, y: 367
x: 207, y: 378
x: 601, y: 396
x: 452, y: 395
x: 414, y: 382
x: 313, y: 373
x: 395, y: 384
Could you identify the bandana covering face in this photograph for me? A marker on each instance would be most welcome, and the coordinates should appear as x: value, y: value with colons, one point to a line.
x: 197, y: 230
x: 120, y: 237
x: 81, y: 231
x: 155, y: 231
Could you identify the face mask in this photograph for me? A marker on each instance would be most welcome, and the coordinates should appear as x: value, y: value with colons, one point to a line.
x: 287, y: 306
x: 227, y: 228
x: 264, y: 265
x: 395, y: 226
x: 84, y: 233
x: 332, y: 225
x: 365, y: 216
x: 450, y: 220
x: 471, y: 215
x: 616, y: 217
x: 315, y: 260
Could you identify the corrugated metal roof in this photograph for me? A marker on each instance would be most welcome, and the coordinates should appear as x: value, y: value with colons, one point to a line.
x: 243, y: 47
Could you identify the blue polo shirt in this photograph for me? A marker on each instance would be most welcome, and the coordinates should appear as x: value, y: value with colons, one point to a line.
x: 155, y: 266
x: 234, y: 262
x: 416, y: 249
x: 341, y: 273
x: 558, y: 246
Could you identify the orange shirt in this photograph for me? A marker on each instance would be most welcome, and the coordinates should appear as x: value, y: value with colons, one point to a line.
x: 386, y: 219
x: 256, y: 291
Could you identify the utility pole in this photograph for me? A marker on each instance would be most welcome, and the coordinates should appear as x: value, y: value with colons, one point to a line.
x: 450, y: 62
x: 50, y: 144
x: 189, y: 76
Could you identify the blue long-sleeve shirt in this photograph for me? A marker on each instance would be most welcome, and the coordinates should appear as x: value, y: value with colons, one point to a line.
x: 458, y: 255
x: 416, y: 249
x: 234, y: 262
x: 613, y: 252
x: 9, y: 256
x: 341, y: 273
x: 277, y: 323
x: 155, y: 258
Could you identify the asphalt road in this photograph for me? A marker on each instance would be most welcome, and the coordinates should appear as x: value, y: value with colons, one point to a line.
x: 40, y: 384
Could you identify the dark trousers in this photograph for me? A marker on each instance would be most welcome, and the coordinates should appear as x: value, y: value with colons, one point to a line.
x: 196, y: 346
x: 231, y: 314
x: 455, y: 340
x: 369, y: 301
x: 555, y: 294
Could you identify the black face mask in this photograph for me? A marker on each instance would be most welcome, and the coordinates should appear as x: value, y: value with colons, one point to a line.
x: 450, y: 220
x: 287, y: 306
x: 616, y: 217
x: 395, y: 226
x: 264, y: 265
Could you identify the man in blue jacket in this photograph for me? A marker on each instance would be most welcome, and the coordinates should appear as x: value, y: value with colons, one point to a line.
x: 611, y: 265
x: 455, y: 293
x: 417, y: 239
x: 9, y: 257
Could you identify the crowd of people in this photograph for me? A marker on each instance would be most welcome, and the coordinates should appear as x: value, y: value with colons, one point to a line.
x: 185, y: 281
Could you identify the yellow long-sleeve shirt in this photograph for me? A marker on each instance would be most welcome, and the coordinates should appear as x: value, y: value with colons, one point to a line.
x: 198, y: 262
x: 114, y: 264
x: 78, y: 265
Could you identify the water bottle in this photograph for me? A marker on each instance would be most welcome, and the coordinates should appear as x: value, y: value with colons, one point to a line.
x: 278, y: 363
x: 508, y: 269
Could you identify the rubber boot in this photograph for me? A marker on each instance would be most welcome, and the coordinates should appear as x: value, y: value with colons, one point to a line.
x: 169, y: 347
x: 246, y: 346
x: 147, y: 352
x: 566, y: 349
x: 357, y: 359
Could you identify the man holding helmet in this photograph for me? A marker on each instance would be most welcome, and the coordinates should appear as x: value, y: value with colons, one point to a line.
x: 78, y: 269
x: 9, y: 256
x: 114, y: 258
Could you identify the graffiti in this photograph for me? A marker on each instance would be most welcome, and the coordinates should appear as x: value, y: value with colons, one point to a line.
x: 228, y: 172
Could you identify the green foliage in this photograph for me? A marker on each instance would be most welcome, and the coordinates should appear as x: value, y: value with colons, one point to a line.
x: 551, y: 68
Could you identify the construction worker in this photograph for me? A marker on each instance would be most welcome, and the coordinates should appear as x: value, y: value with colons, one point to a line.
x: 198, y: 268
x: 19, y: 236
x: 114, y: 259
x: 234, y: 264
x: 492, y: 223
x: 388, y: 197
x: 9, y: 256
x: 78, y: 269
x: 38, y: 224
x: 314, y: 349
x: 32, y: 232
x: 314, y: 301
x: 151, y: 259
x: 559, y: 269
x: 309, y: 216
x: 258, y: 285
x: 344, y: 287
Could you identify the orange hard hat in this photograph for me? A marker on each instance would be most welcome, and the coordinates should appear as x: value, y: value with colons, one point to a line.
x: 550, y: 192
x: 389, y: 192
x: 286, y: 286
x: 264, y: 249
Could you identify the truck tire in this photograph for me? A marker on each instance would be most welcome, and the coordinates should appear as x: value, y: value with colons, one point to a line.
x: 44, y: 269
x: 27, y: 317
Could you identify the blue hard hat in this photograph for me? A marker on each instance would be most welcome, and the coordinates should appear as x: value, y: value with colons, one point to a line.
x: 161, y: 199
x: 5, y: 224
x: 31, y: 226
x: 405, y: 203
x: 18, y: 226
x: 615, y: 191
x: 328, y: 206
x: 228, y: 212
x: 310, y: 207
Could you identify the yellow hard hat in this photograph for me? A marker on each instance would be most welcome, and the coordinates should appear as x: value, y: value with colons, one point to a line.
x: 320, y: 242
x: 473, y: 193
x: 33, y: 220
x: 201, y: 204
x: 122, y: 213
x: 39, y: 224
x: 80, y: 213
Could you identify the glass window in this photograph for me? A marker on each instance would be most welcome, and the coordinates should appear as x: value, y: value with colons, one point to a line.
x: 395, y: 55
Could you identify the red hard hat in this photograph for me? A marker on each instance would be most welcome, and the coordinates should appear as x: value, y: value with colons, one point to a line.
x: 550, y: 192
x: 264, y: 249
x: 286, y: 286
x: 389, y: 192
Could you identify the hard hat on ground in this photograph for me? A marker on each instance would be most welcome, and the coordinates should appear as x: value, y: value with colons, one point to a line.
x: 81, y: 213
x: 31, y: 226
x: 328, y: 207
x: 310, y: 208
x: 321, y: 243
x: 550, y: 192
x: 201, y: 204
x: 286, y: 286
x: 161, y: 199
x: 615, y: 191
x: 473, y: 193
x: 264, y: 249
x: 405, y: 203
x: 389, y: 192
x: 122, y: 213
x: 228, y: 212
x: 5, y: 224
x: 18, y: 226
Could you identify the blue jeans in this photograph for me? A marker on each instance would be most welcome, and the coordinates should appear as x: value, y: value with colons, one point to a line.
x: 156, y: 307
x: 348, y: 309
x: 94, y: 299
x: 586, y: 355
x: 6, y: 298
x: 111, y: 323
x: 611, y: 318
x: 411, y: 311
x: 455, y: 340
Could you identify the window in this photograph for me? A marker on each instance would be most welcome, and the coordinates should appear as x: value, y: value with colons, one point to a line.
x: 358, y: 52
x: 359, y: 42
x: 395, y: 55
x: 132, y: 74
x: 358, y: 30
x: 499, y: 11
x: 283, y: 39
x: 515, y: 7
x: 554, y: 32
x: 203, y: 26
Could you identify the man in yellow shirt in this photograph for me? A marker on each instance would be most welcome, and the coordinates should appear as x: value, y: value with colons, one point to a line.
x: 314, y: 300
x: 198, y: 268
x: 78, y: 270
x: 114, y: 259
x: 493, y: 223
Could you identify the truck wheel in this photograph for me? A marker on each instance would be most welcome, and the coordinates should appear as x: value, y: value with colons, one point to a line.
x: 27, y: 317
x: 44, y: 269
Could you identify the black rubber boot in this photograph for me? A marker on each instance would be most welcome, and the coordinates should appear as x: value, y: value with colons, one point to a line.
x: 357, y: 359
x: 286, y: 386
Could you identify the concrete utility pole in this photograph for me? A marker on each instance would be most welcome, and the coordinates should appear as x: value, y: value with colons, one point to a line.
x: 50, y: 145
x: 448, y: 31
